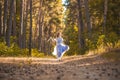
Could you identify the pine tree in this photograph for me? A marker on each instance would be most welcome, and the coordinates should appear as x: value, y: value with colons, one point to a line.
x: 9, y: 27
x: 88, y: 18
x: 80, y: 26
x: 0, y: 18
x: 30, y: 34
x: 5, y: 17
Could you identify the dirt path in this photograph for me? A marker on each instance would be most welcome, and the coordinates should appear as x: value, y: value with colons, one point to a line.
x: 70, y: 68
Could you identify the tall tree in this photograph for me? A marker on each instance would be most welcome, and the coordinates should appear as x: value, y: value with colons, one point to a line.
x: 0, y: 18
x: 87, y: 18
x: 105, y: 14
x: 40, y: 22
x: 30, y: 35
x: 9, y: 27
x: 21, y: 23
x: 14, y: 19
x: 25, y: 24
x: 80, y: 25
x: 5, y: 17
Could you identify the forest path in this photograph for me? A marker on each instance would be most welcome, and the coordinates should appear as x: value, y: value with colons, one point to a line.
x: 69, y: 68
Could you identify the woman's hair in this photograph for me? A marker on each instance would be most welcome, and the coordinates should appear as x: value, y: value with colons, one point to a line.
x: 58, y: 34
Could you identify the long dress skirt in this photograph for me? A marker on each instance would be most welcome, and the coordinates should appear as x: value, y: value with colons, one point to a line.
x: 60, y: 49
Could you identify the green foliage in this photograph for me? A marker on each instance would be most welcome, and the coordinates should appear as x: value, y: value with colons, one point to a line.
x: 101, y: 41
x: 72, y: 40
x: 1, y: 39
x: 3, y: 48
x: 36, y: 53
x: 12, y: 39
x: 13, y: 50
x: 90, y: 45
x: 112, y: 37
x: 53, y: 22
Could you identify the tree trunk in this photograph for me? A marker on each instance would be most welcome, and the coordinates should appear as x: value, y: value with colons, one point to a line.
x: 80, y: 25
x: 40, y: 34
x: 0, y: 18
x: 9, y: 28
x: 49, y: 34
x: 105, y: 15
x: 25, y: 24
x: 40, y: 26
x: 40, y: 39
x: 5, y: 17
x: 21, y: 24
x: 44, y: 46
x: 87, y: 18
x: 14, y: 20
x: 30, y: 35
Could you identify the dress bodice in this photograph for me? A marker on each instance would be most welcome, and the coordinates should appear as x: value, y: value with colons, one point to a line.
x: 59, y: 40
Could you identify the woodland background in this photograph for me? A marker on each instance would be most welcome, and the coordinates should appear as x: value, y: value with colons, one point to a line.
x: 88, y: 26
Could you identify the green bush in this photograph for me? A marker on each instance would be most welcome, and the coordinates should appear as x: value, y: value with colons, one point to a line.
x: 101, y: 43
x: 112, y: 39
x: 36, y: 53
x: 90, y: 44
x: 13, y: 50
x: 2, y: 39
x: 3, y: 48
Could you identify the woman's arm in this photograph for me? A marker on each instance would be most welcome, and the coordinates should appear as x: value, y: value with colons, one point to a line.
x: 53, y: 39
